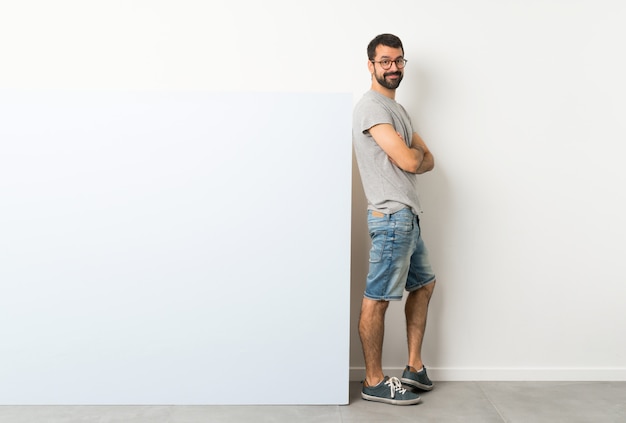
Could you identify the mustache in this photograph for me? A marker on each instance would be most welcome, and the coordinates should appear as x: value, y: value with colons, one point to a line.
x: 393, y: 73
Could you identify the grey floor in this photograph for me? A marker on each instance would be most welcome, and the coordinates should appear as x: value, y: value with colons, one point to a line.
x: 448, y: 402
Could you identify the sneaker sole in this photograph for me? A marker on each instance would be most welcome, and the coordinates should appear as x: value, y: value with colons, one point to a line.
x: 415, y: 384
x: 390, y: 400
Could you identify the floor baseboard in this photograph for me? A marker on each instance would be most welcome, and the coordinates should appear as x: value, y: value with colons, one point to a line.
x: 508, y: 374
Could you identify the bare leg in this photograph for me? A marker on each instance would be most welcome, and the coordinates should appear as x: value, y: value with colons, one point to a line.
x: 372, y: 330
x: 416, y: 310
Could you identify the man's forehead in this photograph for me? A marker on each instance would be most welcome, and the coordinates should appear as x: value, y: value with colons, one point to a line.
x: 388, y: 52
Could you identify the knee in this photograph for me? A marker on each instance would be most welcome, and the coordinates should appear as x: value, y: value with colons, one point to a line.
x: 374, y: 307
x: 430, y: 287
x: 426, y: 290
x: 382, y: 307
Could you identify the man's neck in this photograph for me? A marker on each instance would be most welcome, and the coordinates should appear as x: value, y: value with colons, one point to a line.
x: 384, y: 91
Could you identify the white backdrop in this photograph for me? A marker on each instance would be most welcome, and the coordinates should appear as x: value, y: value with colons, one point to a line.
x: 522, y: 105
x: 164, y: 248
x: 521, y: 102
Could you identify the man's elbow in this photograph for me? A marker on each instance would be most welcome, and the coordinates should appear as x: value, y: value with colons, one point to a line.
x: 411, y: 166
x: 427, y: 165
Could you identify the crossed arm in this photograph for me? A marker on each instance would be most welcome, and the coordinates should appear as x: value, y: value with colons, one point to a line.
x: 415, y: 158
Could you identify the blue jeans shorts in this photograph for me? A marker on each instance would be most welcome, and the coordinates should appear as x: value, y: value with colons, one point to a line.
x: 398, y: 257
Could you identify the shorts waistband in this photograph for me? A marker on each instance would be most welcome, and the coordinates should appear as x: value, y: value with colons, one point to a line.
x: 381, y: 215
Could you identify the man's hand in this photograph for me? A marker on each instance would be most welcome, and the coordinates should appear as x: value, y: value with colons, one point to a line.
x: 428, y: 161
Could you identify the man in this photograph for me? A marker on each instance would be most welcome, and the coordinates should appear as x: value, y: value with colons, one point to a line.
x: 390, y: 156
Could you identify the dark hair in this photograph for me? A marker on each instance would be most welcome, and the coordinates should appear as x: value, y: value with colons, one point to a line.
x: 388, y: 40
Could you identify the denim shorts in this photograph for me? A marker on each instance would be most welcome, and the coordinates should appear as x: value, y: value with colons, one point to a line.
x: 398, y: 257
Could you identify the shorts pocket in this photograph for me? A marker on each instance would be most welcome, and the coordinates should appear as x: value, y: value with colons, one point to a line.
x: 404, y: 221
x: 379, y: 240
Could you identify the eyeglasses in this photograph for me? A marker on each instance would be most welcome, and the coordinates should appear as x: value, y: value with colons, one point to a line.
x: 386, y: 63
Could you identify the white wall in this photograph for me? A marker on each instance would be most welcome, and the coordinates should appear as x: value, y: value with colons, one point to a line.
x: 521, y: 102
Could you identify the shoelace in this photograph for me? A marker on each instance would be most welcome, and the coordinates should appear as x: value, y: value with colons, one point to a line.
x: 395, y: 385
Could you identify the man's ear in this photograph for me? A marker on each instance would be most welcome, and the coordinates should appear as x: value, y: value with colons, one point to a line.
x: 370, y: 66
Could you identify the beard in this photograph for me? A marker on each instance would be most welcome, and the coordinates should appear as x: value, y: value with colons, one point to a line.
x: 391, y: 84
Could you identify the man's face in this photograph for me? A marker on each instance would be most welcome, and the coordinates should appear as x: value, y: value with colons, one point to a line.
x: 389, y: 78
